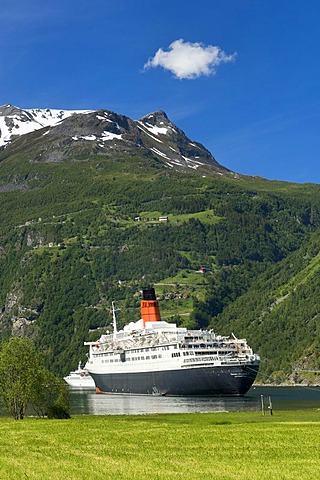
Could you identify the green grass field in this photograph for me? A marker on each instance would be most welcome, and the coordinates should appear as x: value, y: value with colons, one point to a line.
x: 218, y: 446
x: 205, y: 216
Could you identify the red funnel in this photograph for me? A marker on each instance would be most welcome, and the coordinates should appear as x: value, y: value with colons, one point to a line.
x: 149, y: 306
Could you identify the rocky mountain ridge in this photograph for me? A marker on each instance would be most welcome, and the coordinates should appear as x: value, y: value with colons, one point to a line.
x: 58, y: 135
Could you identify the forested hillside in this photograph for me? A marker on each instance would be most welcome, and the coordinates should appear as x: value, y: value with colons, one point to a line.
x: 280, y: 312
x: 234, y: 254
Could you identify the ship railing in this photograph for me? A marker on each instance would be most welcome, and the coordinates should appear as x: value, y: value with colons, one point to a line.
x: 212, y: 358
x: 197, y: 346
x: 206, y: 336
x: 219, y: 360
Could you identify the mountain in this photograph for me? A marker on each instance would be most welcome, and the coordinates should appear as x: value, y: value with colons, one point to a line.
x: 60, y: 135
x: 81, y: 195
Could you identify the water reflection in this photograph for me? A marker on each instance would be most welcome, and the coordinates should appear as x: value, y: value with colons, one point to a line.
x: 88, y: 402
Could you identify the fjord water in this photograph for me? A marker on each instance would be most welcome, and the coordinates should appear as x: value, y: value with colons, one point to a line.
x: 283, y: 398
x: 87, y: 402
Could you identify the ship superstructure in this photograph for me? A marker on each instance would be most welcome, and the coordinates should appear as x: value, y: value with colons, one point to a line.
x: 152, y: 356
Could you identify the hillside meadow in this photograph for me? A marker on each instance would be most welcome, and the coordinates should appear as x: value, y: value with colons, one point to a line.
x: 223, y: 446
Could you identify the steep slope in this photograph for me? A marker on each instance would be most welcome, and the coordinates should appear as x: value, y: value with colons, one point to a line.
x: 175, y: 148
x: 280, y: 314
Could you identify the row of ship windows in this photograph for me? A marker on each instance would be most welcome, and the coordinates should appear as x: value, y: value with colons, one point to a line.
x: 176, y: 354
x: 186, y: 354
x: 139, y: 350
x: 152, y: 349
x: 132, y: 359
x: 214, y: 353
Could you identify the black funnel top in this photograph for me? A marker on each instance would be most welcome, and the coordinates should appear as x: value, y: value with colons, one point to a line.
x: 148, y: 294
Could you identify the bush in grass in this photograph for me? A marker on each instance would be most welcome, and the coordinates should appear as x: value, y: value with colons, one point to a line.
x: 51, y: 396
x: 59, y: 408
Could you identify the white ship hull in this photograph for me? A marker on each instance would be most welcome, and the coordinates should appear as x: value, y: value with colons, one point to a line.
x: 80, y: 383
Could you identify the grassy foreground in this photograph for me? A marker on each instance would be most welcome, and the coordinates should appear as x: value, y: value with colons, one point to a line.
x: 218, y: 446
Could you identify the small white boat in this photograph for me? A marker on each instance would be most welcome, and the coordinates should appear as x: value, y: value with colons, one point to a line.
x: 79, y: 378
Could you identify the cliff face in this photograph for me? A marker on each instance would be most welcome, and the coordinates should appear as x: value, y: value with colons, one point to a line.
x: 16, y: 318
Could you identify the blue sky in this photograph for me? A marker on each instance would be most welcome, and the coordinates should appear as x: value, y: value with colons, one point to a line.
x: 239, y: 76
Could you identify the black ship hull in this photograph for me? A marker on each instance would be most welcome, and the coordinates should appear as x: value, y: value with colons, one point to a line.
x: 215, y: 381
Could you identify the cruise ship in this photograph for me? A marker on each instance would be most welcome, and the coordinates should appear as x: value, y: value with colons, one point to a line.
x: 79, y: 378
x: 152, y: 356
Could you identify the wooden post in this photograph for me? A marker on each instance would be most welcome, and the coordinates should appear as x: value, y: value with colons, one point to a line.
x: 262, y: 405
x: 270, y: 406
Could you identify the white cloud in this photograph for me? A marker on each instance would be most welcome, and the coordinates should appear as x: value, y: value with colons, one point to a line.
x: 189, y: 60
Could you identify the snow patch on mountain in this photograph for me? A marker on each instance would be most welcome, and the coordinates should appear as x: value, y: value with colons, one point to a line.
x: 143, y: 129
x: 85, y: 137
x: 15, y: 122
x: 156, y: 130
x: 191, y: 160
x: 155, y: 150
x: 110, y: 136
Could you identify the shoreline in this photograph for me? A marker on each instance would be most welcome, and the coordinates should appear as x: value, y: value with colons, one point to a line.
x: 302, y: 385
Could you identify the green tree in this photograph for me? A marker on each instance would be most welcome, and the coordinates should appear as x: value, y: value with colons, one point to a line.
x: 25, y: 382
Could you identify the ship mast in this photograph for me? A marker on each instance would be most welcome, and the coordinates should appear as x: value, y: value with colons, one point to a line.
x: 115, y: 331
